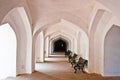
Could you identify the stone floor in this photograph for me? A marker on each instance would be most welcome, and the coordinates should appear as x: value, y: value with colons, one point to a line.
x: 57, y: 68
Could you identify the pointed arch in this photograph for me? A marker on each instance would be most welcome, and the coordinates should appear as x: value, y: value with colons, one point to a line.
x: 8, y: 52
x: 98, y: 16
x: 17, y: 17
x: 111, y: 52
x: 99, y: 37
x: 63, y: 39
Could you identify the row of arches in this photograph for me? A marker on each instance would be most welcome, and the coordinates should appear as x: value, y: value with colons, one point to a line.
x: 100, y: 47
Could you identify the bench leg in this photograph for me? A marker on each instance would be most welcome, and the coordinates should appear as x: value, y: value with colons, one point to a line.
x: 75, y: 69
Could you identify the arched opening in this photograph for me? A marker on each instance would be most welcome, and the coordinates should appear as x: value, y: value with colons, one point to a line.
x: 96, y: 39
x: 59, y: 46
x: 19, y: 22
x: 111, y: 52
x: 67, y: 35
x: 8, y: 46
x: 57, y: 36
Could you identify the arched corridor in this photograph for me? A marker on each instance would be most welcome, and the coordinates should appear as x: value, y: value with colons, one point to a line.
x: 43, y: 30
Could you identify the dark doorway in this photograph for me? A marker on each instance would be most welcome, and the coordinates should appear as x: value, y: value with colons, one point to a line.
x: 60, y: 46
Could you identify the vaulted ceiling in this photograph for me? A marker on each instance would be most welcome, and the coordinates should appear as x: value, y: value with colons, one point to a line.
x: 45, y: 12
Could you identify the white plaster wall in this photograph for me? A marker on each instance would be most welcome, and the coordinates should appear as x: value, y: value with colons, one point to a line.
x: 112, y: 49
x: 98, y: 42
x: 99, y: 51
x: 107, y: 21
x: 40, y: 48
x: 62, y: 28
x: 113, y: 5
x: 112, y: 22
x: 78, y: 44
x: 47, y: 47
x: 97, y: 7
x: 93, y: 27
x: 98, y: 59
x: 8, y: 45
x: 97, y: 13
x: 92, y: 54
x: 84, y: 46
x: 16, y: 22
x: 28, y: 33
x: 37, y: 49
x: 5, y: 6
x: 75, y: 46
x: 50, y: 49
x: 20, y: 23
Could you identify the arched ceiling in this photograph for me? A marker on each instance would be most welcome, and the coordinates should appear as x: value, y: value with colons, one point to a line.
x: 7, y: 5
x: 43, y: 11
x: 64, y: 27
x: 60, y: 35
x: 113, y: 5
x: 66, y: 39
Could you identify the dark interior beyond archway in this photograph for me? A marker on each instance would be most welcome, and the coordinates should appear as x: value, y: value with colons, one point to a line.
x: 59, y: 46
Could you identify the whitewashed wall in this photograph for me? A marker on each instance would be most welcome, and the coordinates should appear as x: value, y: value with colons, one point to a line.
x: 18, y: 20
x: 8, y: 45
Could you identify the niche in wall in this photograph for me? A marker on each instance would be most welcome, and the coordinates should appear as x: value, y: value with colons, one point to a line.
x: 112, y: 52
